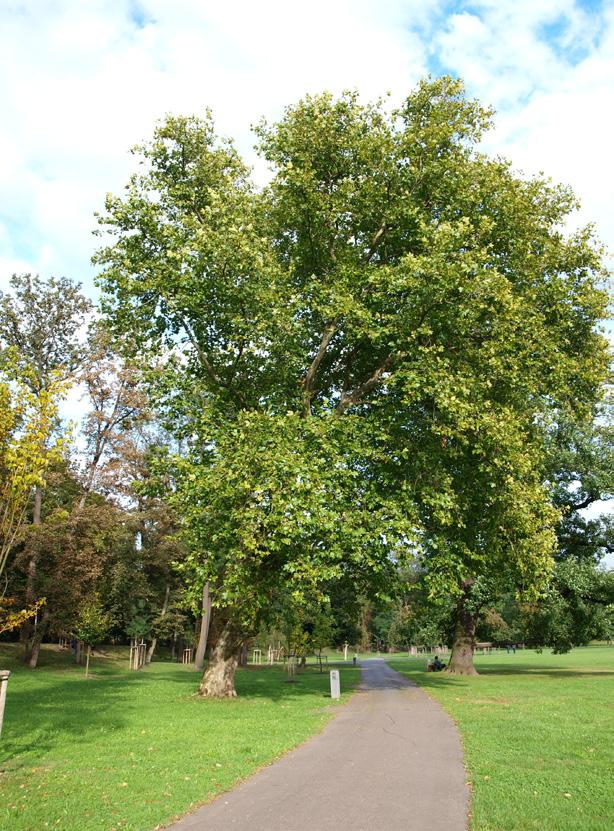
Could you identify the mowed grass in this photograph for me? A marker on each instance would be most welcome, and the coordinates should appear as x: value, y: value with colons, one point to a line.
x: 538, y: 732
x: 132, y: 750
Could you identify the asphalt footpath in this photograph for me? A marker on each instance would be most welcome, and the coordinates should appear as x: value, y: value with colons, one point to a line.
x: 391, y: 760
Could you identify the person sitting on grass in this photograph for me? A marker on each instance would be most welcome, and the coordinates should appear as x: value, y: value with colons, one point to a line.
x: 437, y: 665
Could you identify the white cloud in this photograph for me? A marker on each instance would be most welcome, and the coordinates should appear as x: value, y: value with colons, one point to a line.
x: 548, y: 68
x: 88, y: 80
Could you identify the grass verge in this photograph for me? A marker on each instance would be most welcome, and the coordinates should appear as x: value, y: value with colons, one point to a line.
x: 538, y: 732
x: 132, y: 750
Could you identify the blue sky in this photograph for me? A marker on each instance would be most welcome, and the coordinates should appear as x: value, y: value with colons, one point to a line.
x: 84, y: 80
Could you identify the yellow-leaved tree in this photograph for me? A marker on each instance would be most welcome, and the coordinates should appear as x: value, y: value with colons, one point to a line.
x: 27, y: 448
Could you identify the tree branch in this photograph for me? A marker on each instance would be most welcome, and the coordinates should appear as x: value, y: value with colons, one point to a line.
x: 354, y: 397
x: 308, y: 381
x: 375, y: 241
x: 206, y: 363
x: 579, y: 506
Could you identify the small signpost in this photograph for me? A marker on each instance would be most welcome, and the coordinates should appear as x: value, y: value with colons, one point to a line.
x: 335, y: 686
x: 4, y: 682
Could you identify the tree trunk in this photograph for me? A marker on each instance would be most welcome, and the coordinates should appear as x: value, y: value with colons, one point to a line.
x: 28, y: 633
x: 87, y: 661
x: 199, y: 661
x: 33, y: 642
x: 461, y: 659
x: 154, y: 641
x: 219, y: 677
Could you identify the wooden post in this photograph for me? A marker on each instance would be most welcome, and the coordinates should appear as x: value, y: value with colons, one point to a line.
x: 137, y: 654
x: 4, y: 682
x: 291, y: 668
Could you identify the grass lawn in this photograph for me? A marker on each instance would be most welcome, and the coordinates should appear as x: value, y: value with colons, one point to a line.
x: 538, y: 731
x: 131, y: 750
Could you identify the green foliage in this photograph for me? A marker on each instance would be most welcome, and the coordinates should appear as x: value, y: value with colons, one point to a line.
x: 578, y: 607
x: 93, y: 623
x: 363, y: 356
x: 580, y: 468
x: 139, y: 624
x: 278, y: 506
x: 40, y: 320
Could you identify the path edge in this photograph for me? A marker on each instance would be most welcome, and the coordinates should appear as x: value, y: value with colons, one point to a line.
x: 332, y: 715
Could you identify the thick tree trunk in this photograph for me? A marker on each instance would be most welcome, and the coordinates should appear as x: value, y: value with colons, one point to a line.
x: 199, y: 660
x: 219, y: 677
x: 461, y: 660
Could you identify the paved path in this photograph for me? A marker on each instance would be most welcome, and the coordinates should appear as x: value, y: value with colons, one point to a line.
x: 391, y: 760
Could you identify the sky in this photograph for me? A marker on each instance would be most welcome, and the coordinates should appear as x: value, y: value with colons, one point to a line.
x: 83, y: 81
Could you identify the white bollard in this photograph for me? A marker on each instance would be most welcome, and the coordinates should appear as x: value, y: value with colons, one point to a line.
x: 335, y: 686
x: 4, y: 682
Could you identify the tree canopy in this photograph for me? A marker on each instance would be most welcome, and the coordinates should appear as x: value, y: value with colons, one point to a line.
x: 364, y: 356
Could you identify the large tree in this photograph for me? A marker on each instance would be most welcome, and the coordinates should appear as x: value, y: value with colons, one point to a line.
x: 388, y: 321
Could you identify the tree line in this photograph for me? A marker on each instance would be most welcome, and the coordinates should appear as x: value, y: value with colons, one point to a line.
x: 381, y: 375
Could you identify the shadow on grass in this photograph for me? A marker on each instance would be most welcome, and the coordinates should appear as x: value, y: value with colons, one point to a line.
x: 442, y: 679
x: 272, y: 683
x: 56, y: 701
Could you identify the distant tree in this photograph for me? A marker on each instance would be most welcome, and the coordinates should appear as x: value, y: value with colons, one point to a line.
x: 117, y: 408
x: 27, y: 449
x: 44, y: 321
x: 41, y: 322
x: 91, y: 626
x: 577, y: 608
